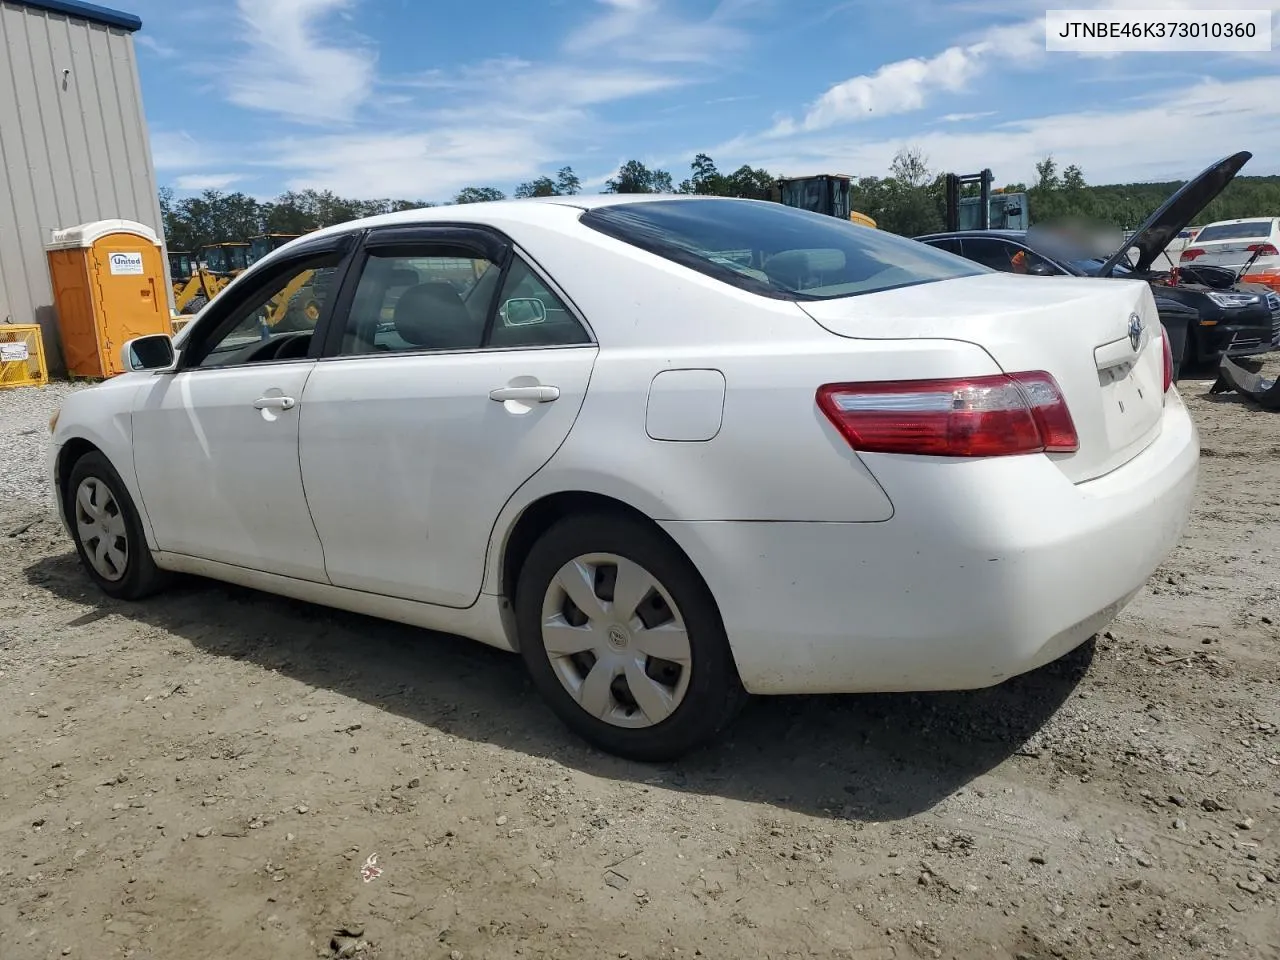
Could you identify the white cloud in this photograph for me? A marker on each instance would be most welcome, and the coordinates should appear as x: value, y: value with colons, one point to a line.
x: 178, y: 150
x: 1173, y: 136
x: 430, y: 164
x: 148, y: 42
x: 291, y: 71
x: 964, y: 117
x: 207, y: 181
x: 646, y: 30
x: 508, y: 119
x: 907, y: 85
x: 521, y: 83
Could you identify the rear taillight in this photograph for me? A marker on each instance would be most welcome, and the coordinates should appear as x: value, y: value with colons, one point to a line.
x: 1168, y: 363
x: 1263, y: 249
x: 1191, y: 254
x: 969, y: 417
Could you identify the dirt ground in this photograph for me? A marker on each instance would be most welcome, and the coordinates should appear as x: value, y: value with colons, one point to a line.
x: 207, y: 774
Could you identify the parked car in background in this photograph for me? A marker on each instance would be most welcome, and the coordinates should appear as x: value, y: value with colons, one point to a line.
x: 1234, y: 318
x: 1249, y: 248
x: 673, y: 451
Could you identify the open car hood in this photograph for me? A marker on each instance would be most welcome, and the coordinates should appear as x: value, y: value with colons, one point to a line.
x: 1176, y: 212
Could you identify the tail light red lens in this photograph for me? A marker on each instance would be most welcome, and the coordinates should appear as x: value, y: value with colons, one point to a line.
x: 1263, y: 249
x: 969, y: 417
x: 1191, y: 254
x: 1168, y: 363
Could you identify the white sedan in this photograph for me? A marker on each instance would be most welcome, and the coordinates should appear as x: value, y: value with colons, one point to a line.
x: 671, y: 450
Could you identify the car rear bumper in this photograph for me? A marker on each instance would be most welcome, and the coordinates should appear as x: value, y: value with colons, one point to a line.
x: 988, y: 569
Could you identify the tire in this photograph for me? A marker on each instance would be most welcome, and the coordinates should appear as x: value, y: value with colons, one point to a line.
x: 195, y: 304
x: 702, y: 694
x: 98, y: 505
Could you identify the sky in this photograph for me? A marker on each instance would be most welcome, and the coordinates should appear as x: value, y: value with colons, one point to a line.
x: 415, y: 99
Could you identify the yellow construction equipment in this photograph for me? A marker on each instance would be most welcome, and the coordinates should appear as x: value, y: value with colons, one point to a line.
x: 264, y: 243
x: 217, y: 264
x: 827, y: 193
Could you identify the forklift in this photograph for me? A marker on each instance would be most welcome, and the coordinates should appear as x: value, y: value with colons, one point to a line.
x: 989, y: 210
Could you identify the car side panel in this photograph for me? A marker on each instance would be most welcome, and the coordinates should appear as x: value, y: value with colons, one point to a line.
x: 775, y: 457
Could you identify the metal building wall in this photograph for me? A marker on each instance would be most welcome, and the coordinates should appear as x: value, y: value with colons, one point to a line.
x: 73, y: 147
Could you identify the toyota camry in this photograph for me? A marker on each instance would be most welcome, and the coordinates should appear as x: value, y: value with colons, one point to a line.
x: 671, y: 450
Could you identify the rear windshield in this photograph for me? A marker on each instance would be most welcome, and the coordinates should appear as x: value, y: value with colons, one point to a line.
x: 1249, y: 230
x: 777, y: 251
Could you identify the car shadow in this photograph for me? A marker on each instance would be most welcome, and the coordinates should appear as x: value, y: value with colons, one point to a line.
x: 869, y: 757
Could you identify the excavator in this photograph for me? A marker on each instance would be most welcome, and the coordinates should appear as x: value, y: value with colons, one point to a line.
x: 827, y: 193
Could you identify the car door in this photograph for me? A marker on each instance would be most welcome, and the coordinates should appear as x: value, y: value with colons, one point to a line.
x: 454, y: 371
x: 216, y: 442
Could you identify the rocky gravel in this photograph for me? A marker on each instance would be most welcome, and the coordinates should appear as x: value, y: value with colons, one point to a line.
x: 216, y: 772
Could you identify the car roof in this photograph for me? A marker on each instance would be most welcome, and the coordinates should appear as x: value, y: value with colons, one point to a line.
x: 544, y: 211
x: 1220, y: 223
x: 998, y: 234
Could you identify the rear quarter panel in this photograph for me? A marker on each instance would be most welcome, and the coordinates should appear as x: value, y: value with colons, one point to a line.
x: 775, y: 456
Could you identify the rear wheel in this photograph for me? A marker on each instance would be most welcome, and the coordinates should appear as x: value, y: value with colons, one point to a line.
x: 107, y: 532
x: 623, y: 639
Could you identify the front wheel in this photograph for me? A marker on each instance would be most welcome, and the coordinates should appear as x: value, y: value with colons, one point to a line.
x: 623, y: 639
x: 107, y: 532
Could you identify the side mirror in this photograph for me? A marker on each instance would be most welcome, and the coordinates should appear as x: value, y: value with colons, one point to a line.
x: 152, y: 352
x: 523, y: 311
x: 1040, y: 269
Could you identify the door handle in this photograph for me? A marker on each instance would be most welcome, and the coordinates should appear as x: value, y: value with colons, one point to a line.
x: 535, y: 394
x: 275, y: 403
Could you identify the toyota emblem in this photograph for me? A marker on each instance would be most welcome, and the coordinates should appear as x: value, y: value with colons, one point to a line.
x: 1135, y: 331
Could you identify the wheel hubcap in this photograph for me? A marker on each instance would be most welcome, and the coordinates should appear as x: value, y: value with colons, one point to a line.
x: 100, y: 525
x: 616, y: 640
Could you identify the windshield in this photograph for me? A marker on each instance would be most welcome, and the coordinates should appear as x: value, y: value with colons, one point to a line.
x: 1249, y: 230
x: 775, y: 250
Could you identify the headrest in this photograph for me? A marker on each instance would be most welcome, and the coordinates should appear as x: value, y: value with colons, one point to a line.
x: 802, y: 264
x: 402, y: 277
x: 433, y: 315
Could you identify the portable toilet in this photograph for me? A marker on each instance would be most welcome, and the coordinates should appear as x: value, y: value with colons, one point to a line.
x: 108, y: 287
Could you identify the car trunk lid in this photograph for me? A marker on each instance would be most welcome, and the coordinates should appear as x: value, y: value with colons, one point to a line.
x: 1227, y: 253
x: 1100, y: 339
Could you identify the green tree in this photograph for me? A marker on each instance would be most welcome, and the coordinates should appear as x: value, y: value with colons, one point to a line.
x: 910, y: 168
x: 478, y: 195
x: 634, y: 177
x: 753, y: 183
x: 567, y: 182
x: 538, y: 187
x: 1047, y: 174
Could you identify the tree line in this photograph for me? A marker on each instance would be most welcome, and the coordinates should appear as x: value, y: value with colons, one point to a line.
x: 910, y: 200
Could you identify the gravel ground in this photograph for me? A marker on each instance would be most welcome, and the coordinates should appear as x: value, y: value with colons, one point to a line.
x: 24, y: 436
x: 211, y: 772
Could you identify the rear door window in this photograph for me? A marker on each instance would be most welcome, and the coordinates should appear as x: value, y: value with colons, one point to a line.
x: 774, y: 250
x: 990, y: 252
x: 949, y: 244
